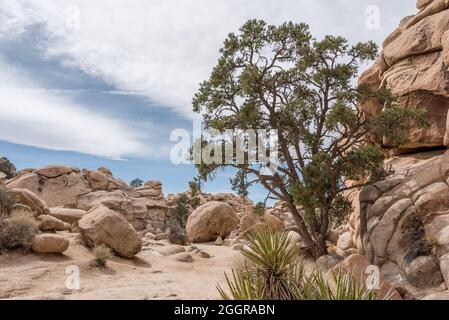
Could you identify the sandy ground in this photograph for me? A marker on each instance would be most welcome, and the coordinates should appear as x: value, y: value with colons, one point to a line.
x: 150, y: 275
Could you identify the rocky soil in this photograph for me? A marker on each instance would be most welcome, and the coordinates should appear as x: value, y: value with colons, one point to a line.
x: 152, y: 274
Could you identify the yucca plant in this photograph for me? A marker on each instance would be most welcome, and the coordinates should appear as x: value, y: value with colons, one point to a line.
x: 343, y: 286
x: 272, y: 272
x: 267, y: 275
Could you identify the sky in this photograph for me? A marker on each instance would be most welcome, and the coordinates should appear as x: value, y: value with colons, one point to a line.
x: 104, y: 83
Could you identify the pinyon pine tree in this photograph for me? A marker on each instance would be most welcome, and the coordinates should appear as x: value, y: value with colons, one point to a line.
x: 279, y: 77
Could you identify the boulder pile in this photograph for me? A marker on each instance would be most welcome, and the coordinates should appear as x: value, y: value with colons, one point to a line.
x: 70, y: 192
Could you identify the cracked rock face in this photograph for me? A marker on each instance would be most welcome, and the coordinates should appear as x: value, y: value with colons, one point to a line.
x: 404, y: 220
x: 414, y: 66
x: 70, y: 192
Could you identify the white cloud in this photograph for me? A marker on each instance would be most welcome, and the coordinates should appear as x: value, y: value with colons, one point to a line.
x: 165, y: 48
x: 43, y: 118
x: 160, y: 50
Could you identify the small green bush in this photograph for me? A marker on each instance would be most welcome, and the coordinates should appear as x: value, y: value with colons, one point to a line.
x: 18, y: 230
x: 136, y: 183
x: 7, y: 168
x: 260, y: 208
x: 181, y: 210
x: 102, y: 254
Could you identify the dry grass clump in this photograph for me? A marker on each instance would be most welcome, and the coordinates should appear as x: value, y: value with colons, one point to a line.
x: 176, y: 234
x: 17, y: 230
x: 102, y: 254
x: 6, y: 202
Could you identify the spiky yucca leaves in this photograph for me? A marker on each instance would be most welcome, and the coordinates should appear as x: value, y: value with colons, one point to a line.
x: 268, y: 273
x: 272, y: 272
x: 343, y: 287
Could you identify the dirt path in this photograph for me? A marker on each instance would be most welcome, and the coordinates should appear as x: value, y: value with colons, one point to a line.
x: 149, y: 276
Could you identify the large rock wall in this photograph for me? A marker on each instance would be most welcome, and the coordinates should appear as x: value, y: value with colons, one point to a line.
x: 402, y: 223
x: 414, y: 66
x: 60, y: 186
x: 404, y: 219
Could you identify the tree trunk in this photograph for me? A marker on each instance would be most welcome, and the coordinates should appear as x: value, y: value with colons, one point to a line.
x: 316, y: 248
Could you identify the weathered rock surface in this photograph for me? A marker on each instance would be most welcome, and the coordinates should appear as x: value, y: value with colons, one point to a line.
x: 272, y: 222
x: 357, y: 265
x: 172, y: 250
x: 325, y: 263
x: 28, y: 198
x: 345, y: 241
x: 64, y: 188
x: 56, y: 185
x: 183, y: 257
x: 211, y: 220
x: 414, y: 66
x: 49, y: 243
x: 139, y: 211
x: 17, y: 279
x: 424, y: 272
x: 50, y: 223
x: 407, y: 221
x: 67, y: 215
x: 103, y: 226
x: 249, y: 219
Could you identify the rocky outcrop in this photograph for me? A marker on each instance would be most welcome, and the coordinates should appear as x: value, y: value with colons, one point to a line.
x: 281, y: 211
x: 56, y: 185
x: 63, y: 189
x: 103, y: 226
x: 249, y: 219
x: 29, y: 199
x: 238, y: 204
x: 358, y: 266
x: 402, y: 223
x: 404, y: 219
x: 210, y: 221
x: 414, y: 66
x: 137, y: 210
x: 151, y: 189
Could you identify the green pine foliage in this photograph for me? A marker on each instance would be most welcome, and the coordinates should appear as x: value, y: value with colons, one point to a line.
x: 281, y: 78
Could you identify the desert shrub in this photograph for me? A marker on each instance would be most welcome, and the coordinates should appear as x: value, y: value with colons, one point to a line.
x: 7, y: 167
x: 102, y: 254
x: 181, y: 209
x: 341, y: 211
x: 18, y: 230
x: 6, y: 201
x: 272, y: 272
x: 260, y: 208
x: 176, y: 233
x: 194, y: 188
x: 136, y: 183
x: 195, y: 202
x: 432, y: 243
